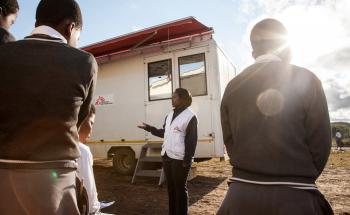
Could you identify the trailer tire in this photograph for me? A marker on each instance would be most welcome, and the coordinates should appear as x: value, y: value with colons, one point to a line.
x: 124, y: 161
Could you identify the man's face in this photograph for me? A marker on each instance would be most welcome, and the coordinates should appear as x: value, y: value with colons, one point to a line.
x: 86, y: 128
x: 7, y: 21
x: 74, y: 37
x: 176, y: 100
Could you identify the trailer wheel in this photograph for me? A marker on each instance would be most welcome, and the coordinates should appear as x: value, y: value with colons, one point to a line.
x: 124, y: 161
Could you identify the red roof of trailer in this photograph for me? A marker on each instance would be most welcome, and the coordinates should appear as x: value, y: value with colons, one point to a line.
x: 160, y: 33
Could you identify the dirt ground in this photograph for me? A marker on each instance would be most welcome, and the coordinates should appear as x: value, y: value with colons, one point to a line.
x: 208, y: 189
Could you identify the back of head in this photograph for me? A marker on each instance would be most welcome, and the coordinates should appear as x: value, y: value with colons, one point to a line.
x: 54, y: 12
x: 8, y: 7
x: 270, y: 36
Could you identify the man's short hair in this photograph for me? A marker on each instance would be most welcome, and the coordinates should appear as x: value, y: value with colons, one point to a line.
x: 54, y: 12
x: 268, y: 35
x: 185, y: 96
x: 8, y: 7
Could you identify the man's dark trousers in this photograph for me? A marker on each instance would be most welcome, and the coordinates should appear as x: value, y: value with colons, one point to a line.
x: 176, y: 176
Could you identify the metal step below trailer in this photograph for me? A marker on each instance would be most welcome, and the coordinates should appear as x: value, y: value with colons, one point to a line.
x: 155, y: 159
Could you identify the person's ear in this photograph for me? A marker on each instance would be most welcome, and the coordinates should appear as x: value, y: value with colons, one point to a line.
x: 69, y: 29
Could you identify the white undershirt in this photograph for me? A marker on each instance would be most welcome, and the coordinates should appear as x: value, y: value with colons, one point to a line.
x: 265, y: 58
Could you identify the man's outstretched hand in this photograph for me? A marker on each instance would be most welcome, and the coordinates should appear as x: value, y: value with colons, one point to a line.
x: 145, y: 127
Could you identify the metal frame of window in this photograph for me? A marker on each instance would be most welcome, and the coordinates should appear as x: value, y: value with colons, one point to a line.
x: 205, y: 72
x: 171, y: 81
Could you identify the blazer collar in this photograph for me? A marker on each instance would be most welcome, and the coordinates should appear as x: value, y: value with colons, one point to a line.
x: 46, y: 33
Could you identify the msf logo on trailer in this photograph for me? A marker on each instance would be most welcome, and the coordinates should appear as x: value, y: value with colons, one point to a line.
x: 104, y: 100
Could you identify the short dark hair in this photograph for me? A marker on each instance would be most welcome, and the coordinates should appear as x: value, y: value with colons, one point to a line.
x: 185, y: 96
x: 267, y: 35
x: 8, y: 7
x: 53, y: 12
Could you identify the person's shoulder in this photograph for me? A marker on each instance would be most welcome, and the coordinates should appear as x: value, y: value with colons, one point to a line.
x: 4, y: 32
x: 84, y: 148
x: 191, y: 114
x: 244, y: 74
x: 304, y: 76
x: 5, y: 36
x: 190, y: 111
x: 237, y: 81
x: 82, y: 54
x: 83, y: 58
x: 301, y: 71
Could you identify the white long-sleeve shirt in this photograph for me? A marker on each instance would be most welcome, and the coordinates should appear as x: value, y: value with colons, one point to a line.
x: 86, y: 173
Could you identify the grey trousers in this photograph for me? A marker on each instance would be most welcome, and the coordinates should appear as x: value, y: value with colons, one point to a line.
x: 38, y: 192
x: 251, y: 199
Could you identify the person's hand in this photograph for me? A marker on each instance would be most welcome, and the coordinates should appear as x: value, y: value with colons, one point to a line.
x: 144, y: 126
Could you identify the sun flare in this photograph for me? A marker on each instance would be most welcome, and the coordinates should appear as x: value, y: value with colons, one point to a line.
x: 312, y: 33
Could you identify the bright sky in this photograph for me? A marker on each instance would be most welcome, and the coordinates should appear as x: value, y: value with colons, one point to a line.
x: 319, y: 31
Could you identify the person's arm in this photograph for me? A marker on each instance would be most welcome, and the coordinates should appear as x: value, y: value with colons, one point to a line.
x: 190, y: 141
x: 317, y: 124
x: 154, y: 131
x: 93, y: 202
x: 85, y: 107
x: 226, y: 129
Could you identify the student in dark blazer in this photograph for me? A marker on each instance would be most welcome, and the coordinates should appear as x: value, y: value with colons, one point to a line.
x: 8, y: 15
x: 46, y: 87
x: 276, y: 130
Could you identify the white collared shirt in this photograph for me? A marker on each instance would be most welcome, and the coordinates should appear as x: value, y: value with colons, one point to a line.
x: 265, y: 58
x: 86, y: 173
x: 47, y: 30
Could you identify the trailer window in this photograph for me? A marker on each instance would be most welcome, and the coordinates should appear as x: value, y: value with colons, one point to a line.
x: 192, y: 74
x: 159, y: 80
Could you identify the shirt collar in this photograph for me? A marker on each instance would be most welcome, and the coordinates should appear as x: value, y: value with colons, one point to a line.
x: 179, y: 110
x: 47, y: 30
x: 267, y: 58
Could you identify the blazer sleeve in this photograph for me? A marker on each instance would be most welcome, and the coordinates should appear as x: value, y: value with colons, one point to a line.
x: 317, y: 124
x: 226, y: 126
x: 89, y: 89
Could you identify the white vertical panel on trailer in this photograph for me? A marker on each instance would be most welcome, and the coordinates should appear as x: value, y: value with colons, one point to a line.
x: 201, y: 105
x: 116, y: 121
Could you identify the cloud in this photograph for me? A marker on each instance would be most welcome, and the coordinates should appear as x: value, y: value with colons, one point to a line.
x: 247, y: 7
x: 337, y: 86
x: 276, y: 6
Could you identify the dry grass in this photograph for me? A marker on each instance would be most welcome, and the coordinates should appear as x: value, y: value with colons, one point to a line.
x: 209, y: 188
x: 339, y: 159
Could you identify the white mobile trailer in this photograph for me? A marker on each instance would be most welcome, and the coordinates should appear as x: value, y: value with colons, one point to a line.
x: 135, y: 86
